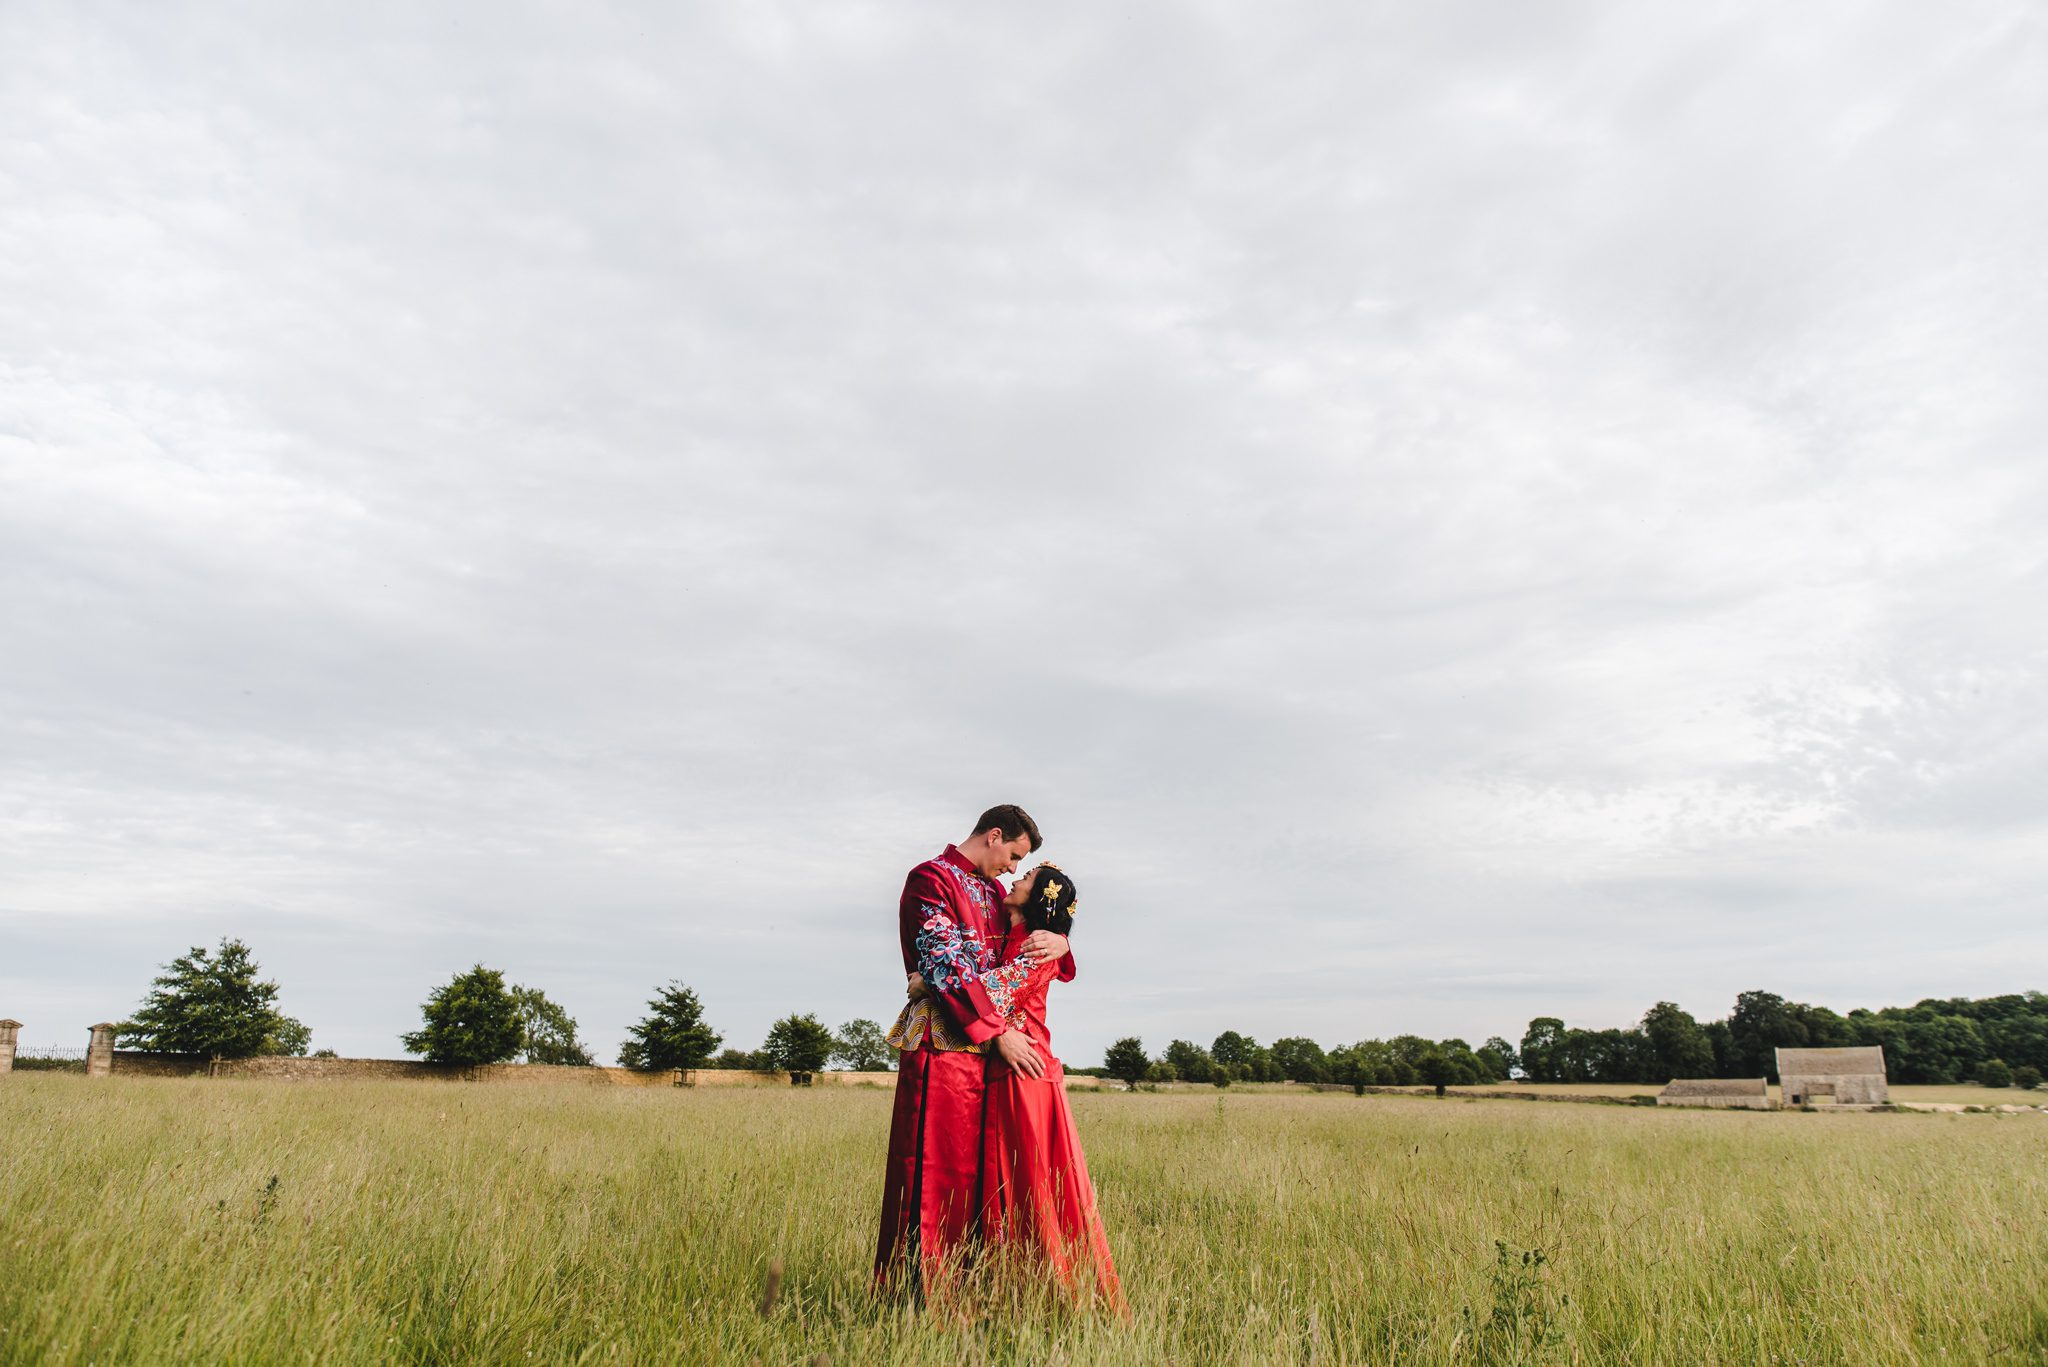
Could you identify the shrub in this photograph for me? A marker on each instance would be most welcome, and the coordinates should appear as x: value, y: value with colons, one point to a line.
x: 1994, y: 1073
x: 2026, y: 1077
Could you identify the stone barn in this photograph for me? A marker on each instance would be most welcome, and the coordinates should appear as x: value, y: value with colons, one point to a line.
x: 1845, y: 1077
x: 1744, y: 1093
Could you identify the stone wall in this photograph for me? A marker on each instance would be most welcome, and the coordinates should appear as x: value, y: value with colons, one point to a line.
x: 135, y: 1063
x: 739, y: 1077
x: 1717, y: 1093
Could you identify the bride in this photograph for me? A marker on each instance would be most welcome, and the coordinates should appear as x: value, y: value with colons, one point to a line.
x: 1037, y: 1202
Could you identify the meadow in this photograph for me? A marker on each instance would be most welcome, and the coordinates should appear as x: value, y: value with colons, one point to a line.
x: 212, y: 1221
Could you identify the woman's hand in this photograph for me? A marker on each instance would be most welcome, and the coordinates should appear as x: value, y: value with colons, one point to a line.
x: 1045, y: 947
x: 917, y: 991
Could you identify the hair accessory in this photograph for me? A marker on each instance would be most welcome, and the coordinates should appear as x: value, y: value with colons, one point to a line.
x: 1051, y: 890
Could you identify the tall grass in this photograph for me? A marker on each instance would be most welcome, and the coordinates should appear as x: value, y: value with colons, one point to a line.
x: 147, y: 1220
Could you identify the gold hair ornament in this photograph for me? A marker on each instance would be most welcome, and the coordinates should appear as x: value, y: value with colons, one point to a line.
x: 1051, y: 890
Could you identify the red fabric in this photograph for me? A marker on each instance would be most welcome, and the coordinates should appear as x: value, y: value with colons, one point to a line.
x: 976, y: 905
x: 933, y: 1186
x: 960, y: 894
x: 1038, y: 1199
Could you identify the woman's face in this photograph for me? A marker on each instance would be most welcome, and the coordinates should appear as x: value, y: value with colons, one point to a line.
x: 1020, y: 890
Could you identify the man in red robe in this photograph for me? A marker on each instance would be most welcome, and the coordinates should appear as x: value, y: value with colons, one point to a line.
x: 951, y: 921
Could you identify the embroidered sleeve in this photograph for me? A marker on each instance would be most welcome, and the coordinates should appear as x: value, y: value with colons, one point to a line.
x: 1005, y: 988
x: 948, y: 958
x: 942, y: 942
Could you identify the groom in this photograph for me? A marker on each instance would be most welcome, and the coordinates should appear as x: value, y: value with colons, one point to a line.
x: 951, y: 922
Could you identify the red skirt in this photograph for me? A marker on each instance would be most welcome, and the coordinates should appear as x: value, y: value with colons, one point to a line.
x: 934, y: 1188
x: 1040, y: 1202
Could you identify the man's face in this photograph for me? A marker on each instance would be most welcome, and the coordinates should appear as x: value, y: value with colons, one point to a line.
x: 1000, y: 857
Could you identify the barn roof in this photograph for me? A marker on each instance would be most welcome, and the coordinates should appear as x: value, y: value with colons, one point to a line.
x: 1714, y: 1086
x: 1864, y: 1061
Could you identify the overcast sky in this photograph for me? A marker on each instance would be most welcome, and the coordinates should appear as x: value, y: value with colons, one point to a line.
x: 1445, y: 513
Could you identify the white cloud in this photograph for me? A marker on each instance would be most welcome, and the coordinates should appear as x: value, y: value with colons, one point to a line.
x: 1444, y: 516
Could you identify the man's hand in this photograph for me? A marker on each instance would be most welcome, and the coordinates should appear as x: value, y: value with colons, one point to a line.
x: 917, y: 990
x: 1017, y: 1051
x: 1045, y: 947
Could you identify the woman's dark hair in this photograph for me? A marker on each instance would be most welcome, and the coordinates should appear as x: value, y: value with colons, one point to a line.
x: 1055, y: 913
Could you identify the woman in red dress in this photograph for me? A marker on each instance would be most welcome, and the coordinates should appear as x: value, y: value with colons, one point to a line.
x: 1039, y: 1203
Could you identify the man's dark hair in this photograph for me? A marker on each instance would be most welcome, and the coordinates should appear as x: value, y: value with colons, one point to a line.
x: 1056, y: 913
x: 1012, y: 821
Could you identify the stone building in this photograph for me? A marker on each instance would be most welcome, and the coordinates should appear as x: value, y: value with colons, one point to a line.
x: 1846, y: 1077
x: 1742, y: 1093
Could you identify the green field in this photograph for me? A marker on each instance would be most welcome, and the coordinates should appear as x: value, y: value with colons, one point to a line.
x: 249, y: 1222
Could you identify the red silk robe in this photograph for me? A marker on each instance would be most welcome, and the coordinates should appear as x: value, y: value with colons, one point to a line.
x: 1037, y: 1197
x: 952, y: 923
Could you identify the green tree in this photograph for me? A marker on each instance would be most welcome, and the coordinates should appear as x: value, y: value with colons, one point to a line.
x: 2026, y: 1077
x: 470, y: 1021
x: 1499, y: 1058
x: 212, y: 1002
x: 1299, y: 1059
x: 673, y: 1034
x: 1761, y: 1024
x: 547, y: 1032
x: 1677, y: 1044
x: 1994, y: 1073
x: 739, y: 1061
x: 1191, y: 1062
x: 1231, y: 1049
x: 289, y: 1038
x: 1161, y: 1071
x: 863, y: 1048
x: 1126, y: 1062
x: 1539, y: 1048
x: 797, y: 1044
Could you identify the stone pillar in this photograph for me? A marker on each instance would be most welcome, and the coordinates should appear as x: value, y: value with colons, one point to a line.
x: 10, y: 1031
x: 99, y: 1054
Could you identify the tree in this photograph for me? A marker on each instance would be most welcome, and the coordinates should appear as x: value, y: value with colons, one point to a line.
x: 1761, y: 1024
x: 863, y: 1048
x: 672, y: 1034
x: 1677, y: 1045
x: 1233, y: 1050
x: 739, y: 1061
x: 1301, y: 1060
x: 797, y: 1044
x: 1994, y: 1073
x: 211, y: 1002
x: 289, y: 1038
x: 1126, y: 1061
x: 1161, y: 1071
x: 547, y: 1032
x: 1539, y: 1045
x: 1500, y: 1059
x: 2026, y: 1077
x: 1191, y: 1062
x: 470, y: 1021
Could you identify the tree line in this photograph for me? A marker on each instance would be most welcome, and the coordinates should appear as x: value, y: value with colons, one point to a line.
x: 216, y: 1003
x: 1998, y: 1041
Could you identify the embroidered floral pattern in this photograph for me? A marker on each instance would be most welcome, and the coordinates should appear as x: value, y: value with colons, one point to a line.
x: 1005, y: 988
x: 948, y: 956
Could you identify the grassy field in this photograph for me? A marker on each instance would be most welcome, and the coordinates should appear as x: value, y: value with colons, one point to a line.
x: 248, y: 1222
